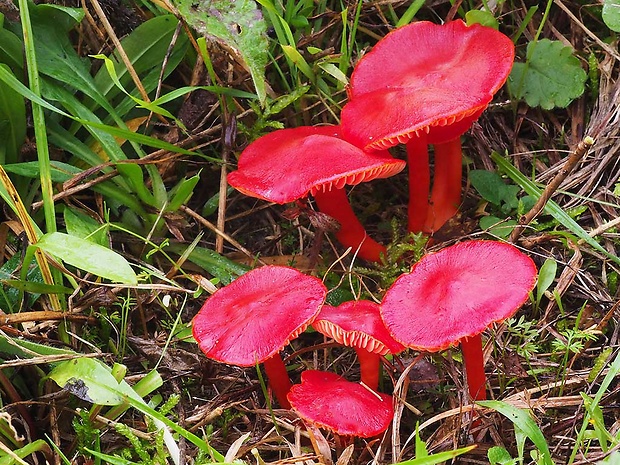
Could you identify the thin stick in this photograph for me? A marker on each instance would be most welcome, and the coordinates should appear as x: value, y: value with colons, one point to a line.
x: 569, y: 165
x: 217, y: 231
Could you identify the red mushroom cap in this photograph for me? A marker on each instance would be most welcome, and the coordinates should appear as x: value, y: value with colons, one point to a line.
x: 425, y: 77
x: 346, y: 408
x: 357, y: 323
x: 256, y: 315
x: 457, y: 293
x: 288, y: 164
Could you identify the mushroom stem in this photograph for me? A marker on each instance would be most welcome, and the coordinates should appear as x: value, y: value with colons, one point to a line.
x: 279, y: 380
x: 446, y: 192
x: 370, y: 367
x: 474, y: 366
x: 335, y: 203
x: 419, y: 182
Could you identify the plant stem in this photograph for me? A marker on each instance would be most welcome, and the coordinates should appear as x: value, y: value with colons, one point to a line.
x: 419, y: 182
x: 446, y: 191
x: 474, y: 366
x: 370, y: 366
x: 335, y: 203
x: 279, y: 380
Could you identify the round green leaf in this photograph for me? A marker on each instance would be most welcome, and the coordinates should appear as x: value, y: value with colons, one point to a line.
x: 611, y: 14
x: 551, y: 77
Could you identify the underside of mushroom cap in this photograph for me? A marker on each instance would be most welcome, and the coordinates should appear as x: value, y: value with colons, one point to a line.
x: 457, y: 293
x: 346, y: 408
x: 256, y: 315
x: 289, y: 164
x: 439, y: 65
x: 387, y: 117
x: 357, y: 324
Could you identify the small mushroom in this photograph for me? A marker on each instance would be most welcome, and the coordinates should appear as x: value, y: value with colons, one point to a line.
x: 451, y: 296
x: 426, y: 84
x: 329, y: 401
x: 249, y: 321
x: 289, y: 164
x: 358, y: 324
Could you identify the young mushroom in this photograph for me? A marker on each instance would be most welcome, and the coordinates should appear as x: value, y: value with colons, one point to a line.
x: 249, y: 321
x: 290, y: 164
x: 358, y: 324
x: 451, y: 296
x: 348, y: 409
x: 426, y: 84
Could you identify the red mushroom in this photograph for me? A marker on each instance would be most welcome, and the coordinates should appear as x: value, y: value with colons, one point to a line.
x: 289, y: 164
x: 426, y: 84
x: 453, y: 295
x: 254, y: 317
x: 345, y: 408
x: 358, y: 324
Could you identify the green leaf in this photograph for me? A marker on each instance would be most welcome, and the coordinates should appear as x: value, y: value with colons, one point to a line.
x: 11, y: 52
x: 92, y: 381
x: 37, y: 288
x: 221, y: 267
x: 437, y: 458
x: 481, y: 17
x: 79, y: 224
x: 497, y: 226
x: 88, y: 256
x: 611, y: 14
x: 546, y: 276
x: 239, y: 26
x: 12, y: 123
x: 551, y: 76
x: 522, y: 420
x: 499, y: 456
x: 494, y: 189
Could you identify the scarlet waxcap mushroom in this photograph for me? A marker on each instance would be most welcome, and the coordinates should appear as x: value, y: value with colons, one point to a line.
x: 426, y: 84
x: 451, y: 296
x: 358, y: 324
x: 345, y: 408
x: 289, y: 164
x: 254, y: 317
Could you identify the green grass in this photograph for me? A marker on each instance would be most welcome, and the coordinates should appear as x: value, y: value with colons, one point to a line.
x: 111, y: 202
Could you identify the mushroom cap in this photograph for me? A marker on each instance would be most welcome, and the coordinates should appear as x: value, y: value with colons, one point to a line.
x: 256, y: 315
x: 457, y: 293
x: 357, y: 323
x: 425, y: 78
x: 346, y: 408
x: 288, y: 164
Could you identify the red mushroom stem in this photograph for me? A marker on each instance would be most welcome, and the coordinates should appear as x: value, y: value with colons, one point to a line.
x: 419, y: 183
x: 370, y: 367
x: 335, y: 203
x: 446, y: 192
x: 278, y: 379
x: 471, y: 347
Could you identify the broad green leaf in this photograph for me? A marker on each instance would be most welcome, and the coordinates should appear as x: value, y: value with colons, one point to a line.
x: 497, y: 226
x: 37, y: 288
x: 481, y: 17
x: 88, y: 256
x: 611, y: 14
x: 239, y: 26
x: 92, y: 381
x: 81, y: 225
x: 11, y: 51
x: 147, y: 48
x: 12, y: 123
x: 546, y: 276
x: 551, y: 76
x: 494, y: 189
x: 522, y: 420
x: 499, y: 456
x: 36, y: 446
